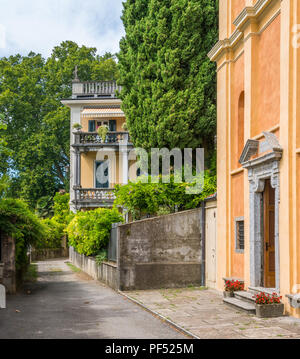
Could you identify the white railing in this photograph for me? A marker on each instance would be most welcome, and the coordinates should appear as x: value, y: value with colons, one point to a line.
x: 94, y: 194
x: 104, y: 88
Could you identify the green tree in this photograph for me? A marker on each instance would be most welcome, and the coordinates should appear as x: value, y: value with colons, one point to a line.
x: 38, y: 126
x: 169, y: 84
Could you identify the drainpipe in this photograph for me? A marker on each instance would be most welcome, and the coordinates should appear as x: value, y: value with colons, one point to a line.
x: 203, y: 240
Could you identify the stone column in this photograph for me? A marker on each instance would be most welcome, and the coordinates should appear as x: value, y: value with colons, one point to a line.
x: 77, y: 181
x: 124, y: 154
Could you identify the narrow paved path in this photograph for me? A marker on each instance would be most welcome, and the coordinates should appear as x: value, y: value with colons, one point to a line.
x: 67, y: 305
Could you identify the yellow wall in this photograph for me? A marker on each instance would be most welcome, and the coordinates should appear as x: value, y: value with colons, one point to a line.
x: 85, y: 122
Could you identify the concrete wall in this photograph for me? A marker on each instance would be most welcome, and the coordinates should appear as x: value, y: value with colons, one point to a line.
x: 160, y: 252
x: 106, y: 272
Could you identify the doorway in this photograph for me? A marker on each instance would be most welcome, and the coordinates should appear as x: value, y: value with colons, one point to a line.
x: 269, y: 236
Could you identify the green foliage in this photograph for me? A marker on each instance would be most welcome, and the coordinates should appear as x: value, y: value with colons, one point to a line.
x: 62, y: 213
x: 89, y: 231
x: 101, y: 256
x: 56, y: 226
x: 169, y: 83
x: 44, y: 207
x: 53, y: 236
x: 142, y: 199
x: 102, y: 132
x: 17, y: 220
x: 37, y: 124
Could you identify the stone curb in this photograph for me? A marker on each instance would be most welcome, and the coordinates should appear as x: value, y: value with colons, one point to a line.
x: 161, y: 317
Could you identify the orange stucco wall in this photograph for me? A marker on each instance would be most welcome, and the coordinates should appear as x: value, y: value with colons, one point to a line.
x: 297, y: 249
x: 237, y: 210
x: 236, y: 7
x: 266, y: 110
x: 237, y: 140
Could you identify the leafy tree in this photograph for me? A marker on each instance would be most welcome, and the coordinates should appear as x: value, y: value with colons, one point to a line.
x: 169, y: 84
x: 38, y: 126
x: 17, y: 220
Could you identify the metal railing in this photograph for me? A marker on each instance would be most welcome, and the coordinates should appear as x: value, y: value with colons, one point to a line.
x: 87, y: 138
x: 94, y: 194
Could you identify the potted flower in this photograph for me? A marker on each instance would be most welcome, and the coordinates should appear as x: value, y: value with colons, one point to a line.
x: 268, y: 306
x: 77, y: 127
x: 102, y: 132
x: 232, y: 286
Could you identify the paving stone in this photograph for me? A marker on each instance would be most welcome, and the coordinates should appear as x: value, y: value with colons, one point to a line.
x: 203, y: 313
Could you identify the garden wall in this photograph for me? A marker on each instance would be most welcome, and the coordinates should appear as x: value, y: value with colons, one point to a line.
x: 9, y: 276
x: 44, y: 254
x: 160, y: 252
x: 106, y: 272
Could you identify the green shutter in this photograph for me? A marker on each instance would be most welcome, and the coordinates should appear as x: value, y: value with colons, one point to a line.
x: 92, y: 126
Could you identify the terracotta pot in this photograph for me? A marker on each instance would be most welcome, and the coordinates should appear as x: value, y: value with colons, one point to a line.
x: 269, y: 310
x: 228, y: 294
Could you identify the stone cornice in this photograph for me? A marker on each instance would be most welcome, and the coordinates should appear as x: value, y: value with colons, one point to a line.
x: 248, y: 13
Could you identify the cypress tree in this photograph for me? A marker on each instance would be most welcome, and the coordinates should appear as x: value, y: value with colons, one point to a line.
x: 169, y: 84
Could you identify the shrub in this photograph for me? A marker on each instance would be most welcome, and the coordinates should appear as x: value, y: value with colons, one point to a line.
x: 101, y: 256
x: 89, y: 231
x: 162, y: 198
x: 53, y: 236
x: 17, y: 220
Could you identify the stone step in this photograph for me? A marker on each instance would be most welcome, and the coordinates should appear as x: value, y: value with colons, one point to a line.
x: 246, y: 296
x: 241, y: 304
x: 257, y: 290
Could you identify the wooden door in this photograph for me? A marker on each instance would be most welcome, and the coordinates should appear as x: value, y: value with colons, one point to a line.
x: 269, y: 236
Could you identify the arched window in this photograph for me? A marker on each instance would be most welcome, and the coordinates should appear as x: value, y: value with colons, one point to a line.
x: 240, y: 130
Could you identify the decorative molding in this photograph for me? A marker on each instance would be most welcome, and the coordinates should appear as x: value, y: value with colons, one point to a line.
x: 236, y: 171
x: 252, y: 147
x: 249, y: 150
x: 261, y: 135
x: 251, y: 12
x: 259, y: 170
x: 248, y: 13
x: 226, y: 44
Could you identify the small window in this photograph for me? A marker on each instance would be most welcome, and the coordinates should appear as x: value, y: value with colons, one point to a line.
x: 239, y: 234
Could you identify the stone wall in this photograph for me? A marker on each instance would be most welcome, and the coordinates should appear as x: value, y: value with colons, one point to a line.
x: 44, y: 254
x: 160, y: 252
x: 106, y: 272
x: 8, y: 249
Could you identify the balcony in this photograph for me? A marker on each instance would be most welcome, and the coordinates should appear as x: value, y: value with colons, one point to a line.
x: 93, y: 197
x: 93, y: 140
x: 94, y: 89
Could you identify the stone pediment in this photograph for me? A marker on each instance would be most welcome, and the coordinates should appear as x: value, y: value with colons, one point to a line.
x: 255, y: 147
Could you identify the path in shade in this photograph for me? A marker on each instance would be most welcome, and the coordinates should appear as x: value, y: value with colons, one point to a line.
x: 67, y: 305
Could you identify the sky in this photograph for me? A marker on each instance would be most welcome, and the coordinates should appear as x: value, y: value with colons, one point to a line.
x: 39, y: 25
